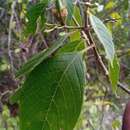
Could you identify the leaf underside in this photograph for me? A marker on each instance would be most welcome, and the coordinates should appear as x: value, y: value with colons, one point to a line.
x: 52, y: 95
x: 104, y: 36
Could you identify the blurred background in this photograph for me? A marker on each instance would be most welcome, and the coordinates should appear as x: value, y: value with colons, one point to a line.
x: 102, y: 110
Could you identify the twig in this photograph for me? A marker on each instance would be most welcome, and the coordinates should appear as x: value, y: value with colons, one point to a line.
x: 55, y: 27
x: 88, y: 48
x: 88, y: 4
x: 89, y: 40
x: 86, y: 18
x: 124, y: 87
x: 18, y: 24
x: 112, y: 20
x: 104, y: 69
x: 9, y: 37
x: 43, y: 39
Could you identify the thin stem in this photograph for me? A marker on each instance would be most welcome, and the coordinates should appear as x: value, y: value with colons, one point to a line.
x: 87, y: 48
x: 9, y: 37
x: 55, y: 26
x: 89, y: 40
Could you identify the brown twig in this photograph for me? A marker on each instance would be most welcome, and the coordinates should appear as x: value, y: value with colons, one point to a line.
x: 56, y: 26
x: 112, y: 20
x: 89, y: 40
x: 104, y: 69
x: 43, y: 39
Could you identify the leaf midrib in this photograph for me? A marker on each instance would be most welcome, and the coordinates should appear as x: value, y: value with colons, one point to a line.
x: 53, y: 96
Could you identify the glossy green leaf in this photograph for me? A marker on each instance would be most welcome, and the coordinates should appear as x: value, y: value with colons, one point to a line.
x: 38, y: 58
x: 114, y: 71
x: 34, y: 12
x: 104, y: 36
x: 52, y: 95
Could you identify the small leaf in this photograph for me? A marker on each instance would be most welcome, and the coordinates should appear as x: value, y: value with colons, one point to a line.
x: 38, y: 58
x: 104, y: 36
x: 70, y: 8
x: 34, y: 12
x: 74, y: 46
x: 114, y: 70
x: 77, y: 15
x: 52, y: 94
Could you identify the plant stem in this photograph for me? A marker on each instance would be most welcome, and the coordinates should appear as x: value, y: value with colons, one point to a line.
x: 89, y: 40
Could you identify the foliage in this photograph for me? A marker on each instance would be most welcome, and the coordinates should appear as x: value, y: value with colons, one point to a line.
x: 56, y: 39
x: 58, y: 95
x: 104, y: 36
x: 37, y: 59
x: 6, y: 121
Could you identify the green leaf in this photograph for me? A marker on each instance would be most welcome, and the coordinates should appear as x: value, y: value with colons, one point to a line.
x: 34, y: 12
x: 75, y: 36
x: 38, y: 58
x: 52, y: 95
x: 16, y: 96
x: 126, y: 4
x: 59, y: 5
x: 114, y: 71
x: 70, y: 8
x: 104, y: 36
x: 77, y: 15
x: 74, y: 46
